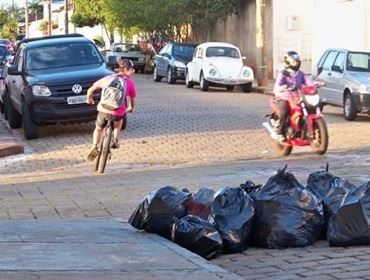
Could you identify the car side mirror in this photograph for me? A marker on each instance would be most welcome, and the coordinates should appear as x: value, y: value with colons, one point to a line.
x: 336, y: 68
x: 111, y: 60
x: 12, y: 70
x: 319, y: 70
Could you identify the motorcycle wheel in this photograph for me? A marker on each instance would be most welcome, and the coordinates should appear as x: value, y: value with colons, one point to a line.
x: 281, y: 150
x: 320, y: 140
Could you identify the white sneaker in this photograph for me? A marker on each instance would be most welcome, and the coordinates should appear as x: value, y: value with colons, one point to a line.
x: 280, y: 138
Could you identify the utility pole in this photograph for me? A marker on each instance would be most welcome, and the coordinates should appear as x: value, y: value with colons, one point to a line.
x: 26, y: 20
x: 66, y: 21
x: 49, y: 17
x: 261, y: 41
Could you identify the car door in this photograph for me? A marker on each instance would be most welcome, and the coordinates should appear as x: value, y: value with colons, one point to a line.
x: 15, y: 82
x: 161, y: 62
x: 197, y: 63
x: 326, y: 92
x: 336, y: 79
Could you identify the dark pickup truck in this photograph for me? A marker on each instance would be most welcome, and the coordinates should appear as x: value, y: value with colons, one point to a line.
x: 48, y: 80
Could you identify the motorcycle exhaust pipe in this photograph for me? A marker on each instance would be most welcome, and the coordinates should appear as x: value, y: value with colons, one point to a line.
x: 270, y: 130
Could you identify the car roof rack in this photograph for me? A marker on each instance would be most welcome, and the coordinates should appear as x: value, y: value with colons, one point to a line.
x: 50, y: 37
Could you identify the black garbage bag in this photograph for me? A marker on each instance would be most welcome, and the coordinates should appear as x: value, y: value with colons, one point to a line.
x: 198, y: 236
x: 233, y: 215
x: 200, y: 203
x: 321, y: 183
x: 157, y: 212
x: 350, y: 224
x: 287, y: 215
x: 334, y: 197
x: 250, y: 188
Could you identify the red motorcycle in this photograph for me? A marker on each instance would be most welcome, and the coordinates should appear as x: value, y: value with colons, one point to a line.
x: 306, y: 125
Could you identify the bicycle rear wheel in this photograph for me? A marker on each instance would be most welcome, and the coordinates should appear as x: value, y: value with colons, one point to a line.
x: 105, y: 150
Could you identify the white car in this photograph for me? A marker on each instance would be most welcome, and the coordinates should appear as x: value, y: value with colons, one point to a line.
x: 218, y: 64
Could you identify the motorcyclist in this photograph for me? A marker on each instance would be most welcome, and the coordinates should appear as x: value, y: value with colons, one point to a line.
x: 290, y: 79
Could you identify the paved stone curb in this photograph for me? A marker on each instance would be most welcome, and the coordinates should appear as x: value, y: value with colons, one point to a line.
x: 8, y: 148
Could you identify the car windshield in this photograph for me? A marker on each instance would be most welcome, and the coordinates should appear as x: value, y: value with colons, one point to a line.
x: 4, y: 51
x: 183, y: 50
x: 358, y: 61
x: 222, y: 51
x: 126, y: 48
x: 62, y: 55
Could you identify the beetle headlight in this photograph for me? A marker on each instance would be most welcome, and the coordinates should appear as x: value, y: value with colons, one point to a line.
x: 212, y: 72
x: 363, y: 89
x: 39, y: 90
x: 246, y: 73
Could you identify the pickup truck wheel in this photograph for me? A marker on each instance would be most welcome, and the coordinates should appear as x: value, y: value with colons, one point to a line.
x: 204, y: 84
x: 30, y: 129
x: 156, y: 77
x: 349, y: 109
x: 230, y: 88
x: 14, y: 118
x: 247, y: 88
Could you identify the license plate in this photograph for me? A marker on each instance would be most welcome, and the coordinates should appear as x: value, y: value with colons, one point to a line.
x: 71, y: 100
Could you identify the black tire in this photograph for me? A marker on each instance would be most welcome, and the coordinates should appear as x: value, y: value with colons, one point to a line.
x: 247, y: 88
x: 349, y: 108
x: 14, y: 118
x: 170, y: 78
x: 30, y: 129
x: 320, y: 140
x: 3, y: 111
x: 188, y: 83
x: 156, y: 77
x: 105, y: 151
x: 97, y: 159
x: 281, y: 149
x: 230, y: 88
x: 204, y: 84
x: 142, y: 70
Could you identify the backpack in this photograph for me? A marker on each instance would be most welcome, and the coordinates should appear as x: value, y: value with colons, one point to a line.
x: 114, y: 94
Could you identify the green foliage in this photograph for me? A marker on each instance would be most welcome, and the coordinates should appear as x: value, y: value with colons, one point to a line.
x: 99, y: 41
x: 167, y: 17
x: 80, y: 20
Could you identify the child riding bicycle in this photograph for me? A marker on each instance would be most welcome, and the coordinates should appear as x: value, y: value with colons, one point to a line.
x: 125, y: 70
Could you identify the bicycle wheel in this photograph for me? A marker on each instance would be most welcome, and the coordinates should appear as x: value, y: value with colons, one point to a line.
x: 97, y: 159
x: 106, y: 141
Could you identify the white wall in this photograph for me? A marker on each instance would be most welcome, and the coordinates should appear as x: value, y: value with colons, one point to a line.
x: 292, y: 30
x: 340, y: 24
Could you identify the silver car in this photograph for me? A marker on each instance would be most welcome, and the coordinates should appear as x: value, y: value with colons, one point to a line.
x: 346, y: 75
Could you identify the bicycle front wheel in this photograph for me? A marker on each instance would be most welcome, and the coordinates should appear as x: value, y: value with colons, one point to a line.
x: 105, y: 150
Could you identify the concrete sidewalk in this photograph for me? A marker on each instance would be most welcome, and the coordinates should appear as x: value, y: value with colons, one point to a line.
x: 96, y: 249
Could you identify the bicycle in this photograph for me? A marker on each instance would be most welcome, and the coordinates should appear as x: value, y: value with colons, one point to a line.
x: 105, y: 146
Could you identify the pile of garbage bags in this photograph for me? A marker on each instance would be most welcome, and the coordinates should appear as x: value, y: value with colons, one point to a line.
x: 282, y: 213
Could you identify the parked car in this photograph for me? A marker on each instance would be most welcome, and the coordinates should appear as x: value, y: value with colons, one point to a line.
x: 171, y: 61
x: 127, y: 51
x: 4, y: 55
x: 48, y: 81
x: 218, y: 64
x: 8, y: 44
x: 346, y: 75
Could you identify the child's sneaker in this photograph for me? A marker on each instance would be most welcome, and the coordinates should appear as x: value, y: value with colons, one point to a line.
x: 280, y: 138
x: 115, y: 144
x: 93, y: 153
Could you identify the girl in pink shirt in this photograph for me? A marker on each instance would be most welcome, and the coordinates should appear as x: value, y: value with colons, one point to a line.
x: 125, y: 70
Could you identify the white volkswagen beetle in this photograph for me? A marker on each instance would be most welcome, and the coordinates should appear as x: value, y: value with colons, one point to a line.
x: 218, y: 64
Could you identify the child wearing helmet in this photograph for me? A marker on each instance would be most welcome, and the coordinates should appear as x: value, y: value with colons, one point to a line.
x: 290, y: 79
